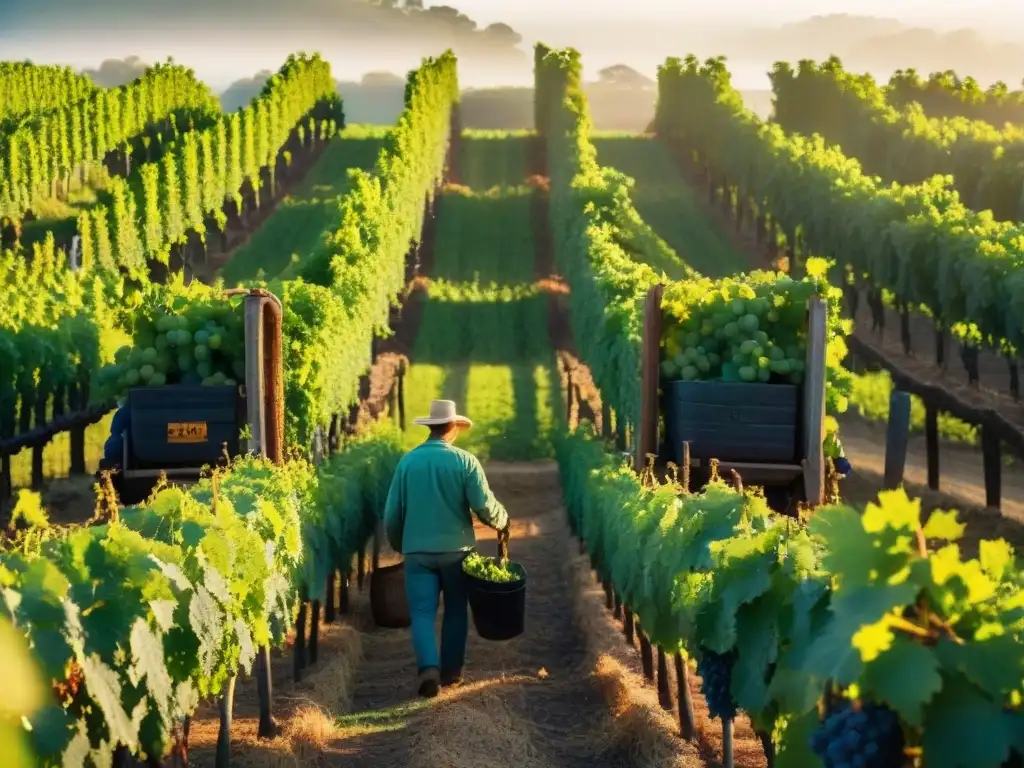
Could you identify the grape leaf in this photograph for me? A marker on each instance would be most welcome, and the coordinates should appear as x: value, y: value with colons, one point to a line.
x: 966, y: 730
x: 207, y: 622
x: 905, y: 677
x: 105, y: 689
x: 944, y: 525
x: 833, y: 654
x: 996, y: 557
x: 792, y: 741
x: 757, y: 639
x: 995, y: 664
x: 148, y: 664
x: 247, y: 651
x: 852, y: 554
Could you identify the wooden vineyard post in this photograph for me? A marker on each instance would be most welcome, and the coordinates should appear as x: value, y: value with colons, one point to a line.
x: 686, y: 724
x: 897, y: 435
x: 264, y: 688
x: 344, y: 604
x: 314, y: 631
x: 992, y: 461
x: 727, y: 740
x: 664, y: 687
x: 814, y: 403
x: 401, y: 395
x: 227, y: 706
x: 264, y: 387
x: 299, y: 649
x: 330, y: 607
x: 647, y: 429
x: 646, y: 652
x: 931, y: 441
x: 378, y: 537
x: 361, y: 566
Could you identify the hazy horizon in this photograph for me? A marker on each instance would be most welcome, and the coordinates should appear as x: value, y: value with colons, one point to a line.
x: 642, y: 40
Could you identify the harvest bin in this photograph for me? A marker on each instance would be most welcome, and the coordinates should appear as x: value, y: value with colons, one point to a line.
x: 181, y: 426
x: 731, y: 421
x: 499, y: 610
x: 388, y: 603
x: 769, y: 433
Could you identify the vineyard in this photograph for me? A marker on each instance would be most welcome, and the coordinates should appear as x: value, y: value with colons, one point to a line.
x: 675, y: 349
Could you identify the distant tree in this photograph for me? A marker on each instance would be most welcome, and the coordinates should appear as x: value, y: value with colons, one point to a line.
x: 503, y: 34
x: 241, y: 92
x: 452, y: 16
x: 114, y: 72
x: 382, y: 80
x: 624, y: 76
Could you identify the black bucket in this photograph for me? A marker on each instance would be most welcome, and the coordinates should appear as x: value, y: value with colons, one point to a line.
x: 499, y: 610
x: 388, y: 603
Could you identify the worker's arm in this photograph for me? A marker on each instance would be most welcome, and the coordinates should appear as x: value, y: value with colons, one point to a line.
x: 394, y: 510
x: 483, y: 503
x: 113, y: 449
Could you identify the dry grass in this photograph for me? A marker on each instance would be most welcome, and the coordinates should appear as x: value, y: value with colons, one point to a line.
x: 307, y: 711
x: 478, y: 729
x: 640, y: 726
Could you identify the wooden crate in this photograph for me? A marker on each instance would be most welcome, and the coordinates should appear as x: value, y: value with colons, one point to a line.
x: 731, y: 421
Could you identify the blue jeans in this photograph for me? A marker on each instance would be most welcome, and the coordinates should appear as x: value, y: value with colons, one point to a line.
x: 427, y: 576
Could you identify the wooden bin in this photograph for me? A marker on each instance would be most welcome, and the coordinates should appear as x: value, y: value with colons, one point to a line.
x: 731, y: 421
x: 771, y: 434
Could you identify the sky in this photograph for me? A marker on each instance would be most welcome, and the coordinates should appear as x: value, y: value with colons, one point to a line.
x: 556, y: 22
x: 933, y: 12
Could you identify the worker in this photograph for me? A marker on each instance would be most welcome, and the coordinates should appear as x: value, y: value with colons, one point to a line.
x: 113, y: 449
x: 428, y: 517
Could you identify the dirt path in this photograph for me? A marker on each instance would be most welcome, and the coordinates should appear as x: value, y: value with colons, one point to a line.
x: 527, y: 702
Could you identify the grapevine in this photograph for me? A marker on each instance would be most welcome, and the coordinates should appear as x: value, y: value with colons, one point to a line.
x: 956, y: 264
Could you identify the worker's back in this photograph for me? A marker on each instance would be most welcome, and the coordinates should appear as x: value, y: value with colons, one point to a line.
x: 436, y: 479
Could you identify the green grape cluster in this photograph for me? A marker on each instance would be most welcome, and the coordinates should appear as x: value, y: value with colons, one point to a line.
x: 488, y: 569
x: 204, y: 345
x: 752, y: 329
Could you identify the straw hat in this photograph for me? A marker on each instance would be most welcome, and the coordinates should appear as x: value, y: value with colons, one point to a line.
x: 442, y: 412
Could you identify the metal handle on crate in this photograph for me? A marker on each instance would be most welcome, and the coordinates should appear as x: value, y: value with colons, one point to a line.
x: 503, y: 547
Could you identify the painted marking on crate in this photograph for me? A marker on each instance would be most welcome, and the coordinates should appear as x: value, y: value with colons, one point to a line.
x: 187, y: 432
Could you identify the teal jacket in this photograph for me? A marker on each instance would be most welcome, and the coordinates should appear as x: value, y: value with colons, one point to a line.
x: 436, y: 490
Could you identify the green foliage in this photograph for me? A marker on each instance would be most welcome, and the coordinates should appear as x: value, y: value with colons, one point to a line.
x: 918, y: 241
x: 27, y: 88
x: 604, y: 249
x: 25, y: 695
x: 902, y: 144
x: 597, y: 236
x: 853, y: 603
x: 488, y: 569
x: 136, y: 619
x: 47, y: 145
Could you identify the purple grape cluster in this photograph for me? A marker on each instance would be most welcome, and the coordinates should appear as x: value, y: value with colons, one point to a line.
x: 870, y: 737
x: 715, y: 670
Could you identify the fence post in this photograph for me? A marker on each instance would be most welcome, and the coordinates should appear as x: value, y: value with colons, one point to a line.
x: 896, y: 436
